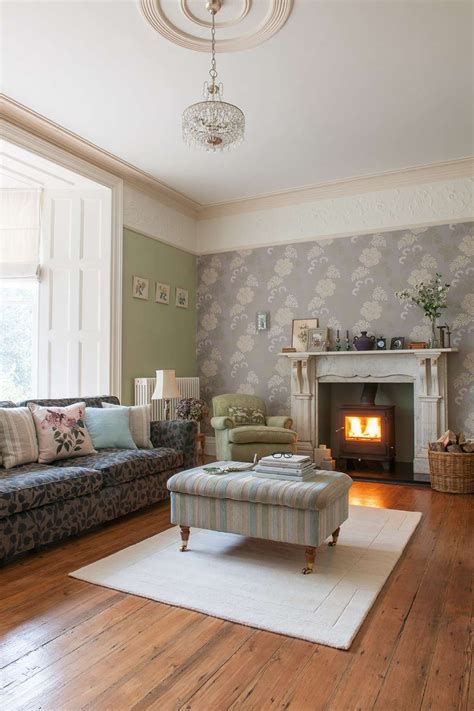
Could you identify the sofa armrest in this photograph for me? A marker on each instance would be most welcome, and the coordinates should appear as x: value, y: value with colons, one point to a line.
x: 179, y: 435
x: 279, y: 421
x: 222, y: 423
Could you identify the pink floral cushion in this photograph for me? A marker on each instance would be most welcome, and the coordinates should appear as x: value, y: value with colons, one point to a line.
x: 61, y: 432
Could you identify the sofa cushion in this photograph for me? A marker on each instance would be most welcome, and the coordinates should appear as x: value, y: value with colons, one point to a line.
x: 118, y: 466
x: 259, y: 433
x: 140, y: 420
x: 61, y: 432
x: 18, y: 443
x: 109, y: 428
x: 32, y: 485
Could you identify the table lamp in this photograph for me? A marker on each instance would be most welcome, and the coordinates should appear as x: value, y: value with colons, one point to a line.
x: 166, y: 388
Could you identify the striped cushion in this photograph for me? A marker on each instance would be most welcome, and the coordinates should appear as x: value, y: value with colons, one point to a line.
x: 18, y: 441
x: 325, y: 488
x: 140, y: 419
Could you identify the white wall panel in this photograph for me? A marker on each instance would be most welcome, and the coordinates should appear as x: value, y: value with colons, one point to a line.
x: 75, y: 293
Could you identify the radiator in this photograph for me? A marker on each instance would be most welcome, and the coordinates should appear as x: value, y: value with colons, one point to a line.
x: 144, y: 387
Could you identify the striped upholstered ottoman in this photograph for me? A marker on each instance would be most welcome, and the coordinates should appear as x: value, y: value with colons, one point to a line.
x: 305, y: 513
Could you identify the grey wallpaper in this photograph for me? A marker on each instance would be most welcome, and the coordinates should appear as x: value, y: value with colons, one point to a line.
x: 348, y: 283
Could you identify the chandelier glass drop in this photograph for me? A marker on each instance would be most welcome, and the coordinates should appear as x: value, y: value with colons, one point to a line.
x: 213, y: 124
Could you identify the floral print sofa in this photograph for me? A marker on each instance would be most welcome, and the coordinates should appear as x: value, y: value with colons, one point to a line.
x: 44, y: 503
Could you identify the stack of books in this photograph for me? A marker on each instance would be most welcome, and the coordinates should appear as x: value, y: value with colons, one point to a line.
x: 295, y: 468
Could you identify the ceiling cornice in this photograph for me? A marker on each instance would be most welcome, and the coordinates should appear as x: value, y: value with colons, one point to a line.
x: 417, y: 175
x: 22, y: 117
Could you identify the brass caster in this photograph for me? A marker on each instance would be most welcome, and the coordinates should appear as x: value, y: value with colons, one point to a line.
x: 183, y: 548
x: 332, y: 543
x: 306, y: 571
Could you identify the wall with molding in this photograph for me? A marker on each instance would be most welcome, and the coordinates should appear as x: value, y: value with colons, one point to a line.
x: 152, y: 217
x: 379, y: 210
x: 347, y: 283
x: 156, y: 336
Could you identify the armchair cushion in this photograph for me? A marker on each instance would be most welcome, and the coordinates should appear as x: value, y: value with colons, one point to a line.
x: 260, y: 433
x: 246, y: 415
x: 222, y: 423
x: 279, y: 421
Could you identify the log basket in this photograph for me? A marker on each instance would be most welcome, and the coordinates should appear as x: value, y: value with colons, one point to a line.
x: 452, y: 472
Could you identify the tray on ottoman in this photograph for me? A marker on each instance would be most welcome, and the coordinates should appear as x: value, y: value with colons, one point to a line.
x: 305, y: 513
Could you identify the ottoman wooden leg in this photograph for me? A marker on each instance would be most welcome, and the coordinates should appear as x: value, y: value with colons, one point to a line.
x: 310, y: 555
x: 184, y: 538
x: 335, y: 536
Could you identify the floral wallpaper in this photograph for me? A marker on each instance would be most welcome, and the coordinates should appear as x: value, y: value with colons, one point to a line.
x: 348, y: 283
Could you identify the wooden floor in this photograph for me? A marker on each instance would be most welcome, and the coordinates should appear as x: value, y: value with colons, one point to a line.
x: 70, y: 645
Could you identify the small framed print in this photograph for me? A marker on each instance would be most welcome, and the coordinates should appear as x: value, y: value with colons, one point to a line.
x: 317, y: 339
x: 263, y: 320
x: 381, y: 344
x: 299, y: 333
x: 140, y: 288
x: 182, y: 297
x: 397, y: 343
x: 162, y: 293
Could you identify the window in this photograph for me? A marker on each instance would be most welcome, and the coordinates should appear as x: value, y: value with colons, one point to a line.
x: 18, y: 346
x: 19, y: 256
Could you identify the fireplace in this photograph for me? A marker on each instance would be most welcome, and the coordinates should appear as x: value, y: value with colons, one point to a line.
x: 366, y: 430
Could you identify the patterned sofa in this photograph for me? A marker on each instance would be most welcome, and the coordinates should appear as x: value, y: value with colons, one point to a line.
x: 44, y: 503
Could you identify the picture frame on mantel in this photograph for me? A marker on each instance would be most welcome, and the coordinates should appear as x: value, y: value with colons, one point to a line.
x: 317, y: 340
x: 299, y: 332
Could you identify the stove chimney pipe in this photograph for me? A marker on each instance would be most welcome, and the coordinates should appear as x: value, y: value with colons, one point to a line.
x: 369, y: 391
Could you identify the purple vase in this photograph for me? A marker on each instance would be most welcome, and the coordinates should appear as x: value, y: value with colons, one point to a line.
x: 364, y: 342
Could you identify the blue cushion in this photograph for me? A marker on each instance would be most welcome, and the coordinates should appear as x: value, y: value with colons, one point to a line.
x: 109, y: 428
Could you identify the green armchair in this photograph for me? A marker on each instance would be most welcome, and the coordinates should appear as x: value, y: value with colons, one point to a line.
x: 240, y: 442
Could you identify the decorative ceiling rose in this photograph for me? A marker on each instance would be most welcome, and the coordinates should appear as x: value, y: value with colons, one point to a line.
x: 213, y: 124
x: 275, y: 18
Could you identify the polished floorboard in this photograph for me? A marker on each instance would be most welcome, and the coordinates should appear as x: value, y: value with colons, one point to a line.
x: 69, y: 645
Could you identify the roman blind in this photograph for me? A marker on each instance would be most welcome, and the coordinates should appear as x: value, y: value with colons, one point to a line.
x: 20, y: 216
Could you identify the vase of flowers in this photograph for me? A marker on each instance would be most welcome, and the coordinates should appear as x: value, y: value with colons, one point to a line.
x: 190, y: 408
x: 431, y: 297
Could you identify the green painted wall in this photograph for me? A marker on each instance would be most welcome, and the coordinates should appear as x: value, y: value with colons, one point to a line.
x: 156, y: 336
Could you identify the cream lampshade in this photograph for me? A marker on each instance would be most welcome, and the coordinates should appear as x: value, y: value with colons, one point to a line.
x: 166, y: 388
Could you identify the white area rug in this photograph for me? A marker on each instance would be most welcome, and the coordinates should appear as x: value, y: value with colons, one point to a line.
x: 258, y: 583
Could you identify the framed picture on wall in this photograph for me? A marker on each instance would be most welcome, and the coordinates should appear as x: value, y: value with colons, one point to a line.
x: 140, y: 288
x: 162, y: 293
x: 263, y: 320
x: 299, y: 334
x: 182, y: 297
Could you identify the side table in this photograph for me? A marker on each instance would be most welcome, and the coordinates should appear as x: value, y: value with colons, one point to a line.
x: 200, y: 446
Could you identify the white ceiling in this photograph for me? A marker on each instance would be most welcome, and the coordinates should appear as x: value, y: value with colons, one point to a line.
x: 346, y: 88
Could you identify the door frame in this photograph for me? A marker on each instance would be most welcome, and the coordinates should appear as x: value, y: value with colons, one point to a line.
x: 54, y: 153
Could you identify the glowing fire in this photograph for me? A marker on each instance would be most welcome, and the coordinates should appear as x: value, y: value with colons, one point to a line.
x: 363, y: 428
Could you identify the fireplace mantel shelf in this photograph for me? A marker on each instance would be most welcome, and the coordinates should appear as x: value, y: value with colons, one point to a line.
x: 404, y: 351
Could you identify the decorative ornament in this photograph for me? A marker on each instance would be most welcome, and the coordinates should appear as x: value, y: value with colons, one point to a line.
x: 213, y: 124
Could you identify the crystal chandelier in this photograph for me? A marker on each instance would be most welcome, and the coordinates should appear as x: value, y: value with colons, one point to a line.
x: 213, y: 124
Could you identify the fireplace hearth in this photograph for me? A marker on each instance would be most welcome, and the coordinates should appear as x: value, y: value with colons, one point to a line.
x: 367, y: 431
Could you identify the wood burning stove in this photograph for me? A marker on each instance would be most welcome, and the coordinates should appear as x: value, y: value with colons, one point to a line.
x: 366, y: 430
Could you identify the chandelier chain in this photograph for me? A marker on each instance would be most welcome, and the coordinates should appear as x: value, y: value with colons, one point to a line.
x: 213, y: 69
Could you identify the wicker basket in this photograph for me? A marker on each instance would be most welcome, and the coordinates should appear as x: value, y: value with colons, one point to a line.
x: 452, y: 472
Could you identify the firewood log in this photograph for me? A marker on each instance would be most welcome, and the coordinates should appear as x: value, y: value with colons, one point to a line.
x: 455, y: 448
x: 468, y: 447
x: 437, y: 447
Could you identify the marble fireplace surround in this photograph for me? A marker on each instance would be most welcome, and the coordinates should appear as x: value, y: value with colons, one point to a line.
x: 426, y: 369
